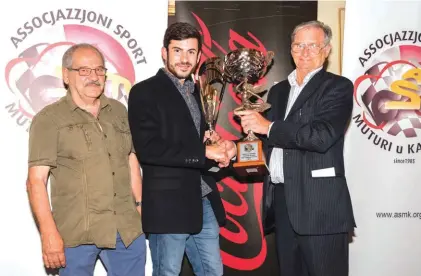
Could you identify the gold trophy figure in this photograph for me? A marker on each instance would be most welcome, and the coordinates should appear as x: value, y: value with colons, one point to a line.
x: 244, y: 67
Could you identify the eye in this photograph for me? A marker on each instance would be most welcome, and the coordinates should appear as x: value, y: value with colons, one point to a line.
x: 100, y: 70
x: 192, y: 52
x: 84, y: 70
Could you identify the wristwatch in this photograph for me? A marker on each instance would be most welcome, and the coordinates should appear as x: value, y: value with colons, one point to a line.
x: 138, y: 203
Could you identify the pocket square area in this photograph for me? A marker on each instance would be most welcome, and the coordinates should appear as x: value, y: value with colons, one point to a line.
x: 326, y: 172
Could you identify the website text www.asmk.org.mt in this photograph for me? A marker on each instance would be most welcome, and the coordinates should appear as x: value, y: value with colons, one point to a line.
x: 394, y: 215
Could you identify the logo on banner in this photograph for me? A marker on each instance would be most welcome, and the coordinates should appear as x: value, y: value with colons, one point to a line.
x: 389, y: 96
x: 34, y: 74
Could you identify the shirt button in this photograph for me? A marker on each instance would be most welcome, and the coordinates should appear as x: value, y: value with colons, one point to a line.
x: 115, y: 194
x: 105, y: 136
x: 109, y: 154
x: 115, y: 213
x: 113, y: 173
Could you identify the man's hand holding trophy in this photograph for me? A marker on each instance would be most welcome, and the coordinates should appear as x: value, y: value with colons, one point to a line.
x: 243, y: 67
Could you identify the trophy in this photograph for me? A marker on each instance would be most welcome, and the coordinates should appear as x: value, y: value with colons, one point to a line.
x: 212, y: 85
x: 244, y: 67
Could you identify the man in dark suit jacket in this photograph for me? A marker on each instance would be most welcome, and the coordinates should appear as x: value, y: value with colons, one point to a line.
x: 306, y: 198
x: 182, y: 209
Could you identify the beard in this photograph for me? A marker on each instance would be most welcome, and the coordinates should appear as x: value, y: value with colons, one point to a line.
x: 173, y: 69
x: 176, y: 71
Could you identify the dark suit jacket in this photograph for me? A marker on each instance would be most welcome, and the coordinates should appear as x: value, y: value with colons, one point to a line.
x: 312, y: 137
x: 172, y: 157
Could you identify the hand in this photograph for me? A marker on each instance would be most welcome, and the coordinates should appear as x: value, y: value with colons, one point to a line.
x: 53, y: 250
x: 230, y: 147
x: 218, y: 153
x: 214, y: 136
x: 254, y: 121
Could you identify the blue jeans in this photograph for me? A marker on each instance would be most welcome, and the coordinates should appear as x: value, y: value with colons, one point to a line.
x: 202, y: 249
x: 120, y: 261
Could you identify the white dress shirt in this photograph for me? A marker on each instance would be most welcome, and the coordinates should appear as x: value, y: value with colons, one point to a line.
x: 276, y: 162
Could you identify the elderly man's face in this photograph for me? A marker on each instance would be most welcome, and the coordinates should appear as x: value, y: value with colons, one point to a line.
x: 308, y: 49
x: 88, y: 85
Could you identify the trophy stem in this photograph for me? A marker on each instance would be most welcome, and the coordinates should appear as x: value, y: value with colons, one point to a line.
x: 251, y: 136
x: 209, y: 142
x: 211, y: 129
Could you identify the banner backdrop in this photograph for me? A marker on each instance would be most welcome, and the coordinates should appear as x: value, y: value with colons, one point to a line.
x: 382, y: 55
x: 34, y: 36
x: 226, y: 26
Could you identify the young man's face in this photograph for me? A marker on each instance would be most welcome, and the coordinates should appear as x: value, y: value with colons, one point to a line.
x: 181, y: 57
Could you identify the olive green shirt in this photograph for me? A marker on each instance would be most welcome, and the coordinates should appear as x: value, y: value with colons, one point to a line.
x: 91, y: 194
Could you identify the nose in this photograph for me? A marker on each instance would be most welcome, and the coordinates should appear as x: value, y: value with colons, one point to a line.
x: 305, y: 52
x: 183, y: 57
x: 93, y: 75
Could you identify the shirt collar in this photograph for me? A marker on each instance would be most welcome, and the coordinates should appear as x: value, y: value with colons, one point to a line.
x: 292, y: 78
x: 188, y: 82
x: 103, y: 101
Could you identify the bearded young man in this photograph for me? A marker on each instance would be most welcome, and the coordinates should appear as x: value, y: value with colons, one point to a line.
x: 182, y: 209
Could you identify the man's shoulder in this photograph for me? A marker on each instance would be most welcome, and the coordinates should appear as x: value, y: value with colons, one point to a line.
x: 143, y: 89
x: 337, y: 78
x: 280, y: 84
x: 52, y: 110
x: 278, y: 87
x: 147, y: 84
x: 117, y: 107
x: 150, y: 89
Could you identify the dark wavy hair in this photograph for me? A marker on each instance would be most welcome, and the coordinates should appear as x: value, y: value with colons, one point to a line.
x: 181, y: 31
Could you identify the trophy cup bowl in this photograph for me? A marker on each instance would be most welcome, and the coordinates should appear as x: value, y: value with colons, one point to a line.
x: 212, y: 85
x: 244, y: 67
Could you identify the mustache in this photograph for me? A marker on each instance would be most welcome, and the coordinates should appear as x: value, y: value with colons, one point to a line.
x: 94, y: 83
x: 184, y: 63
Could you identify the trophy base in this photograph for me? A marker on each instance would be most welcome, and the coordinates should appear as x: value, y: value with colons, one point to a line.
x: 251, y: 168
x: 250, y: 159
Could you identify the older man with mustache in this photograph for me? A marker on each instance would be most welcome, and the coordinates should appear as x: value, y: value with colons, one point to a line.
x: 83, y: 141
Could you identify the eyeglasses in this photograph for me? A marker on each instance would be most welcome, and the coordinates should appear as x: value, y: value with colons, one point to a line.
x: 313, y: 48
x: 84, y: 71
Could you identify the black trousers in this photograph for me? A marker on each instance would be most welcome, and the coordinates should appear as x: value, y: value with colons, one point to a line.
x: 298, y: 255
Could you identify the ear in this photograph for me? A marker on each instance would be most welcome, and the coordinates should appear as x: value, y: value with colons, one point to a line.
x: 327, y: 49
x: 65, y: 73
x: 164, y: 54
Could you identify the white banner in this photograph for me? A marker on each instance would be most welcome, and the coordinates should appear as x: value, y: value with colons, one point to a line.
x: 382, y: 55
x: 34, y: 36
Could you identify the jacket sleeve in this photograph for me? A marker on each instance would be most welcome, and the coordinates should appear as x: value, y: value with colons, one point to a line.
x: 151, y: 148
x: 327, y: 125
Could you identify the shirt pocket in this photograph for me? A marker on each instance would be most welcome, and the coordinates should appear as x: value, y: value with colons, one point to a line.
x: 123, y: 137
x: 75, y: 141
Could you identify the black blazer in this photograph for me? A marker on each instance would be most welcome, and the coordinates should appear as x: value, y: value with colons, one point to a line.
x: 172, y: 157
x: 312, y: 137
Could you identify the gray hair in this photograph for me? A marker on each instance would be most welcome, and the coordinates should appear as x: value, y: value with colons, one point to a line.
x: 314, y: 24
x: 67, y: 60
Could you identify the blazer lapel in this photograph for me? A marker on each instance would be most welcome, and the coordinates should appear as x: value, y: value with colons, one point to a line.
x: 278, y: 101
x: 310, y: 87
x: 278, y: 108
x: 282, y: 102
x: 175, y: 97
x: 197, y: 96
